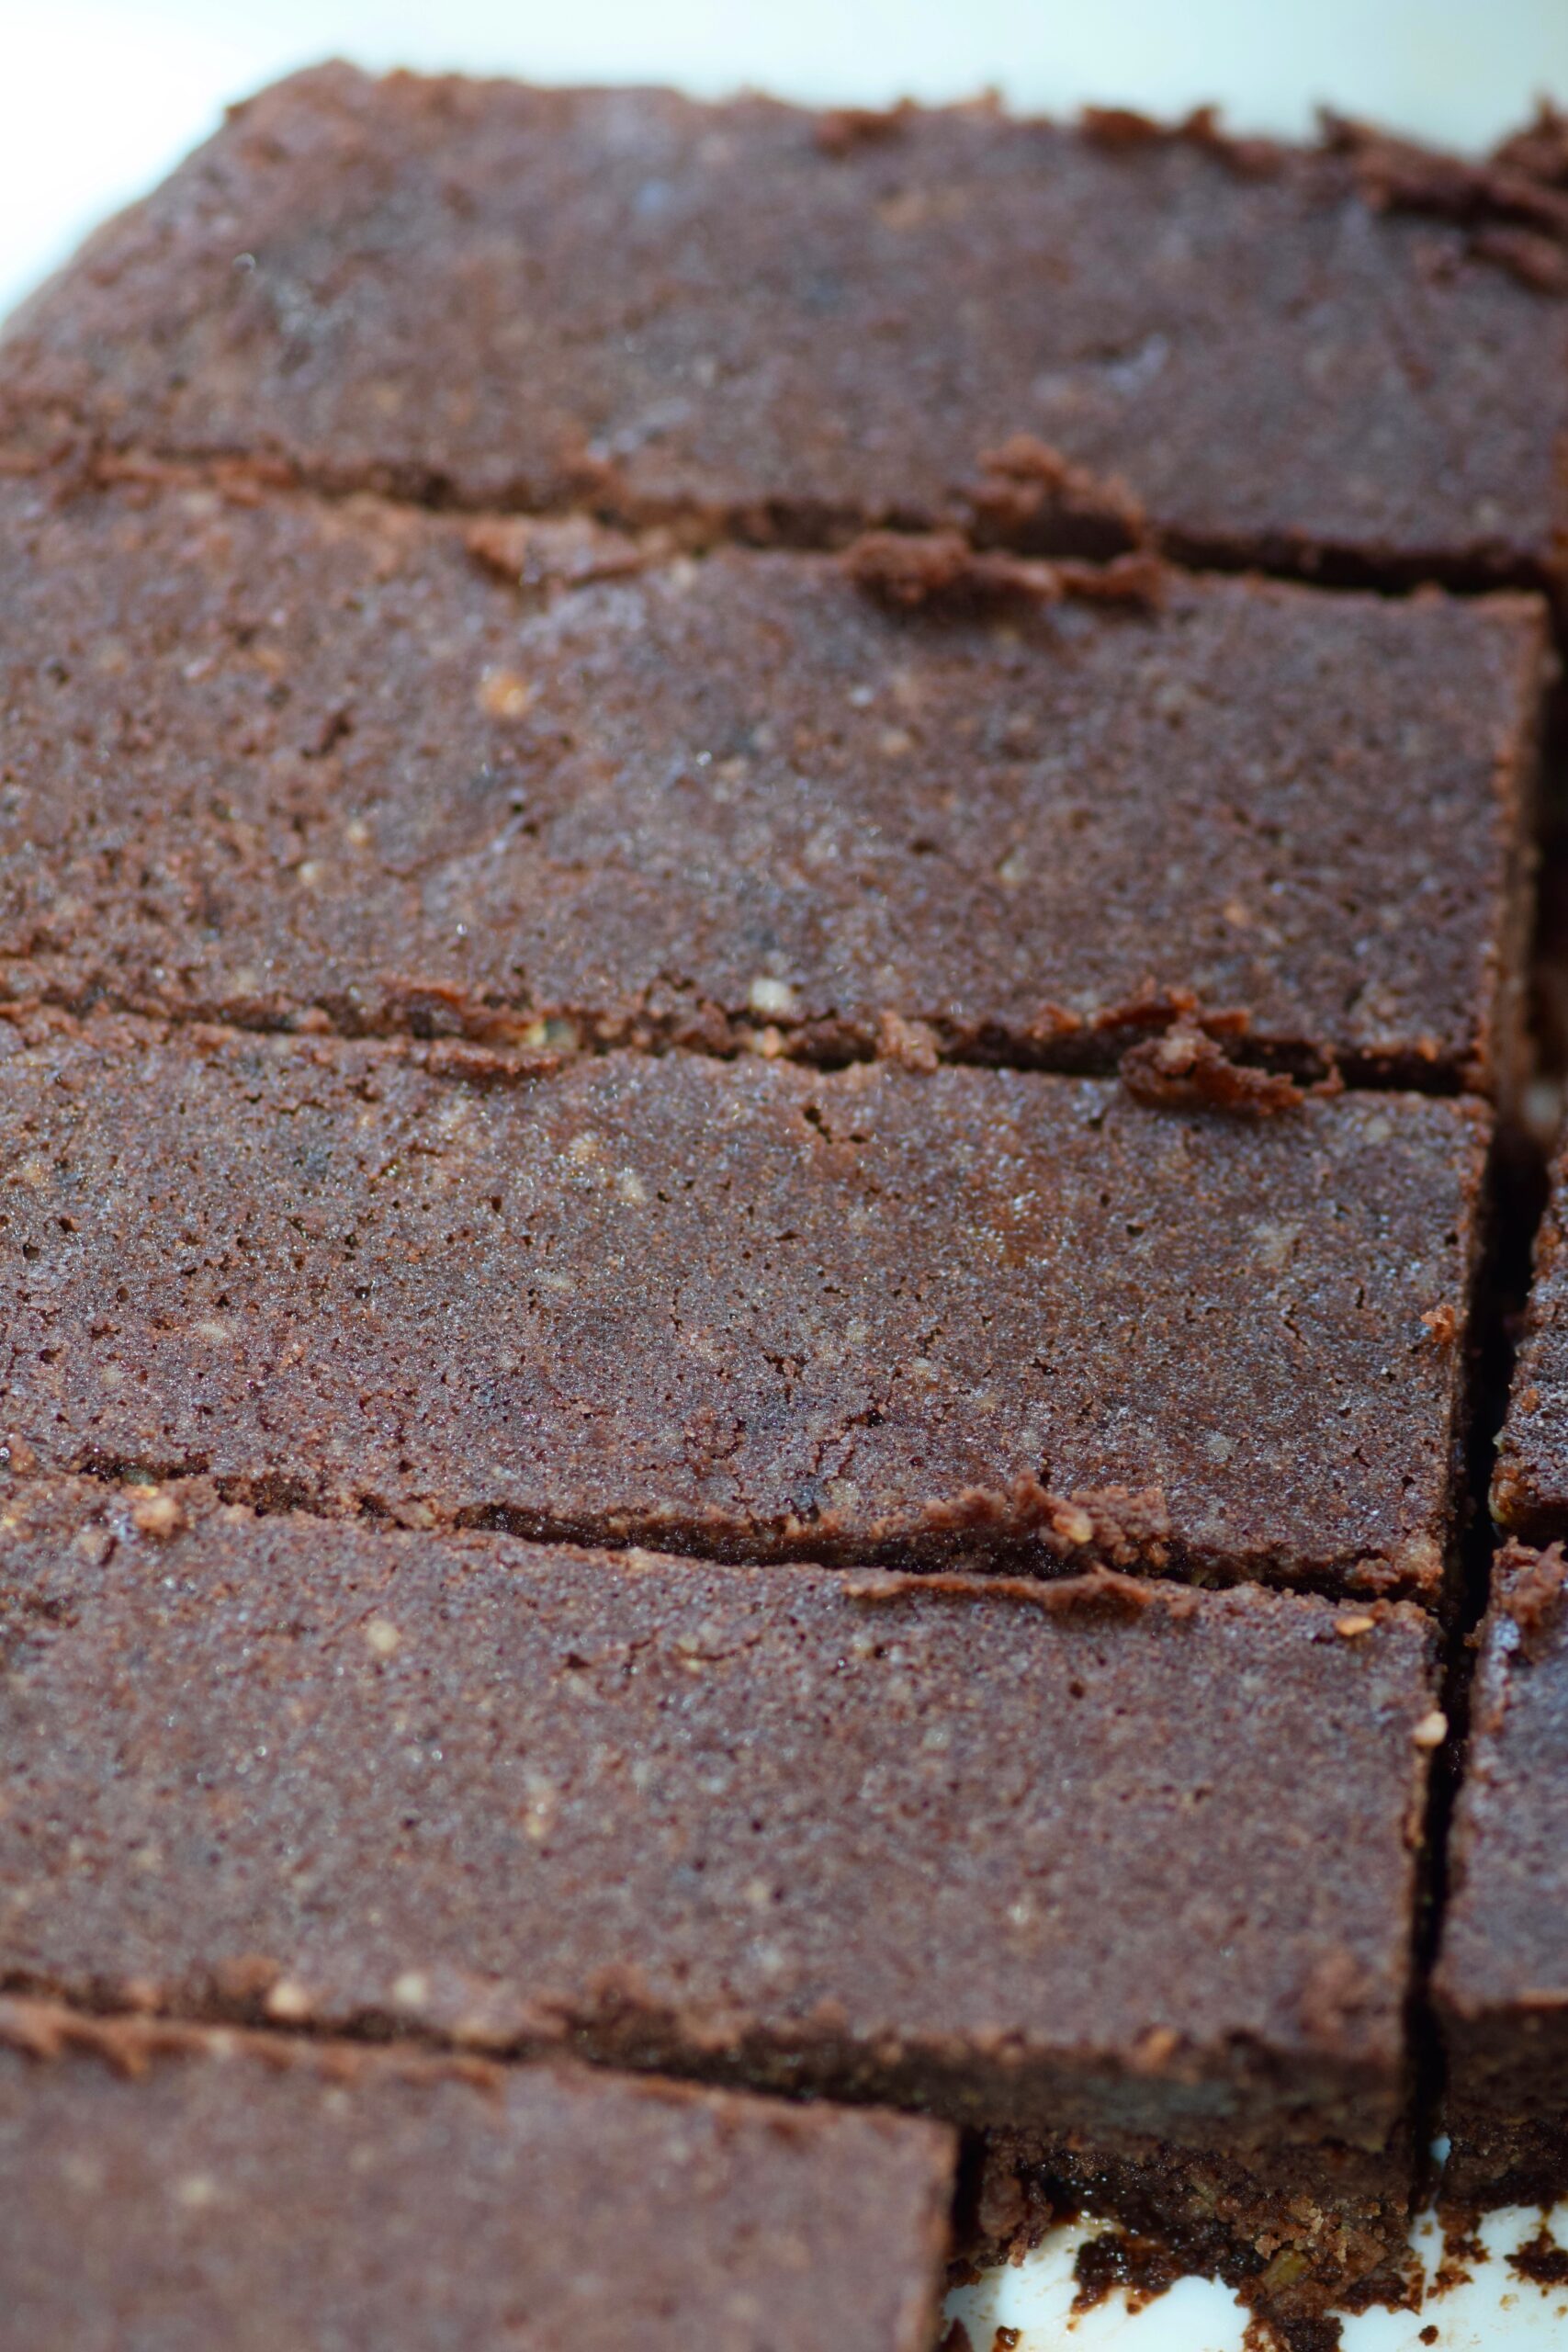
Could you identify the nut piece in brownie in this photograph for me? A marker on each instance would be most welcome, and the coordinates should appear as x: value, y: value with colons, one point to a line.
x: 1530, y: 1484
x: 517, y: 779
x: 953, y: 1843
x: 743, y: 1307
x: 1501, y: 1978
x: 176, y: 2186
x: 759, y: 318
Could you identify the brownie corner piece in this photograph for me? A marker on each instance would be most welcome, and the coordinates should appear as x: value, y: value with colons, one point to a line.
x: 1501, y: 1983
x: 169, y: 2183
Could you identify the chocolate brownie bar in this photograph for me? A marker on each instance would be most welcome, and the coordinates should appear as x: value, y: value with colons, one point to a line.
x: 1501, y: 1978
x: 743, y: 1308
x: 1530, y: 1484
x: 760, y: 318
x: 269, y: 763
x: 173, y: 2189
x: 1126, y: 1869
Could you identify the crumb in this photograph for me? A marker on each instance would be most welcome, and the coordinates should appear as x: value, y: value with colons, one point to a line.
x: 1185, y: 1069
x: 1443, y: 1323
x: 843, y: 128
x: 157, y: 1514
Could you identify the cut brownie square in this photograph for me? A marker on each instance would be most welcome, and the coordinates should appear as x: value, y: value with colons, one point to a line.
x: 171, y: 2188
x: 1501, y: 1977
x: 298, y: 761
x: 759, y: 318
x: 1124, y: 1871
x: 1529, y: 1484
x: 744, y: 1309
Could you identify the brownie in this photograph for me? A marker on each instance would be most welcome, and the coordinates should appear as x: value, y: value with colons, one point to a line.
x: 745, y: 1308
x: 176, y: 2190
x: 1530, y: 1484
x: 758, y: 317
x: 1501, y: 1978
x: 294, y: 760
x: 1122, y: 1869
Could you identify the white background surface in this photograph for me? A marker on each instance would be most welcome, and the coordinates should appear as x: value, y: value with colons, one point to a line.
x: 99, y: 97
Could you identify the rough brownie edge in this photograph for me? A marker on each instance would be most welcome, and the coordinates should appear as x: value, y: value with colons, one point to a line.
x: 792, y: 331
x: 694, y: 1303
x: 1501, y: 1984
x: 538, y: 783
x: 936, y: 1842
x: 1530, y: 1484
x: 243, y: 2188
x: 1296, y: 2232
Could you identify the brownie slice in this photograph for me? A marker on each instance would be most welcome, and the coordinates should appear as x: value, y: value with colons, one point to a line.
x: 741, y: 1307
x: 1501, y: 1978
x: 182, y: 2189
x: 786, y: 324
x: 1529, y: 1484
x: 266, y: 762
x: 1122, y: 1868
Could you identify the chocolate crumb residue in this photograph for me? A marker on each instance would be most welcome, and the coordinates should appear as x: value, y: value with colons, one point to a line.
x: 1514, y: 202
x: 1184, y: 1069
x: 1123, y: 128
x: 1542, y: 2260
x: 566, y: 552
x: 913, y: 570
x: 1024, y: 478
x: 842, y: 129
x: 1143, y: 2268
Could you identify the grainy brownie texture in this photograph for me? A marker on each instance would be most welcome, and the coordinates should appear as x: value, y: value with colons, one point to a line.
x: 262, y: 761
x: 965, y: 1845
x: 1502, y: 1980
x: 743, y: 1307
x: 484, y: 292
x: 1530, y: 1484
x: 174, y: 2190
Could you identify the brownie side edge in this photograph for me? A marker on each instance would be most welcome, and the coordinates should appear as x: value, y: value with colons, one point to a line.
x: 1501, y: 1983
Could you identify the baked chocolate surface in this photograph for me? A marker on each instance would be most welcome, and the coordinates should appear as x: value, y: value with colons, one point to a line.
x: 742, y: 1307
x: 1502, y: 1979
x: 1529, y: 1484
x: 272, y: 762
x: 481, y: 292
x: 950, y: 1842
x: 177, y: 2190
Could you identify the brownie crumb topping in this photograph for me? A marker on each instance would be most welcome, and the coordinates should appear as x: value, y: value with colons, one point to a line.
x: 1187, y: 1071
x: 946, y: 569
